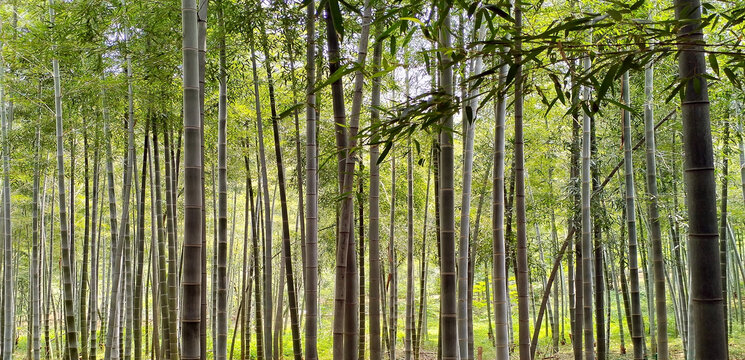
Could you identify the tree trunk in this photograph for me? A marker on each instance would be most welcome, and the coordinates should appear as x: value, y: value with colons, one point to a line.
x: 587, y: 262
x: 255, y: 231
x: 267, y: 330
x: 193, y: 189
x: 547, y: 292
x: 523, y: 283
x: 8, y: 278
x: 71, y: 335
x: 361, y: 214
x: 48, y: 300
x: 221, y: 348
x: 723, y: 227
x: 622, y: 274
x: 499, y: 260
x: 35, y: 262
x: 465, y: 220
x: 707, y: 309
x: 637, y: 324
x: 392, y: 282
x: 245, y: 281
x: 613, y: 283
x: 86, y: 242
x: 598, y: 222
x: 421, y: 316
x: 648, y: 285
x: 346, y: 326
x: 95, y: 236
x: 374, y: 212
x: 126, y: 283
x: 676, y: 250
x: 202, y: 61
x: 311, y: 203
x: 173, y: 279
x: 574, y: 260
x: 139, y: 251
x: 470, y: 107
x: 409, y: 251
x: 114, y: 230
x: 215, y: 246
x: 654, y: 216
x: 163, y: 284
x: 44, y: 281
x: 557, y: 298
x: 286, y: 249
x: 448, y: 304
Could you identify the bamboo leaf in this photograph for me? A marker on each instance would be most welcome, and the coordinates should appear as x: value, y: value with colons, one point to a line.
x: 607, y: 81
x: 615, y: 14
x: 501, y: 13
x: 621, y: 105
x: 336, y: 18
x: 290, y: 110
x: 413, y: 19
x: 338, y: 74
x: 636, y: 5
x: 472, y: 8
x: 714, y: 63
x: 676, y: 90
x: 384, y: 153
x: 732, y: 77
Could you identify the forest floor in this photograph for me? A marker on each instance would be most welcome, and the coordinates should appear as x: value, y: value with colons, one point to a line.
x: 737, y: 352
x: 736, y: 348
x: 429, y: 346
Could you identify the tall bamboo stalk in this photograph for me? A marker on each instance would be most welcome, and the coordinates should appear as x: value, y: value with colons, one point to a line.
x: 374, y: 212
x: 421, y: 314
x: 574, y: 261
x: 95, y: 235
x: 556, y: 297
x: 311, y: 203
x: 346, y: 259
x: 707, y: 312
x: 587, y: 255
x: 521, y: 270
x: 8, y: 277
x: 392, y: 281
x: 637, y: 324
x: 202, y: 64
x: 723, y: 226
x: 342, y: 243
x: 140, y: 250
x: 286, y: 249
x: 161, y: 240
x: 35, y: 261
x: 267, y: 300
x: 173, y: 279
x: 409, y: 251
x: 362, y: 288
x: 448, y: 299
x: 71, y: 334
x: 222, y: 217
x: 470, y: 107
x: 499, y: 260
x: 86, y: 251
x: 255, y: 231
x: 193, y: 189
x: 598, y: 224
x: 654, y: 216
x: 677, y: 250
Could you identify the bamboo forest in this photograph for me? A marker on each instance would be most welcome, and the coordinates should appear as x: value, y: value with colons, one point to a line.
x: 372, y: 179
